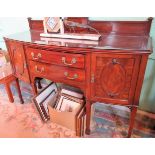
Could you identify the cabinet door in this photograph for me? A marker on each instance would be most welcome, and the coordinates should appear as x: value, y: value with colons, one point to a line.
x: 113, y: 77
x: 18, y: 61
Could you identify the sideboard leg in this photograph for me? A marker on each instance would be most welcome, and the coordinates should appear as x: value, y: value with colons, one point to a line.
x: 19, y: 91
x: 8, y: 90
x: 88, y: 115
x: 132, y: 119
x: 34, y: 88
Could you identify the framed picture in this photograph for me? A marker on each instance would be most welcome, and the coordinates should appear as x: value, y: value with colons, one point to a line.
x: 43, y: 98
x: 68, y: 105
x: 51, y: 24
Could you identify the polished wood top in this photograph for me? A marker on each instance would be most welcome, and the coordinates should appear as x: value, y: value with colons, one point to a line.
x: 107, y: 41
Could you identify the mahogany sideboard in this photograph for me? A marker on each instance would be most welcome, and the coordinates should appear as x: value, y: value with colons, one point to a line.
x: 109, y: 71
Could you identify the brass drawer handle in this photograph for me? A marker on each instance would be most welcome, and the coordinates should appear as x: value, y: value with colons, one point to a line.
x: 36, y: 58
x: 73, y: 61
x: 39, y: 71
x: 75, y: 76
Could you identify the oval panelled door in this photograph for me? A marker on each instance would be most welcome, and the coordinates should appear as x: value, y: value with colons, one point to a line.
x: 113, y: 78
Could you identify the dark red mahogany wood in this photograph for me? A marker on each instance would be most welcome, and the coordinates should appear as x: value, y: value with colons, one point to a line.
x: 35, y: 24
x: 106, y: 27
x: 110, y: 71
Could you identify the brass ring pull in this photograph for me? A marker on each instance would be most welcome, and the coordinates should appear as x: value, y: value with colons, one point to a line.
x: 35, y: 58
x: 115, y: 61
x: 75, y: 76
x: 39, y: 71
x: 73, y: 61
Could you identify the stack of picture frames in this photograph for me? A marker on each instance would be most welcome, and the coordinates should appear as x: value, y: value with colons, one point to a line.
x: 62, y: 106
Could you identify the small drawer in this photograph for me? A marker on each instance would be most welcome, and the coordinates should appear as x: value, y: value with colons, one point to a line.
x: 56, y: 73
x: 57, y: 58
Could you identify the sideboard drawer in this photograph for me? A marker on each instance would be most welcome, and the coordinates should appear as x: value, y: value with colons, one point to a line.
x: 52, y: 57
x: 56, y: 73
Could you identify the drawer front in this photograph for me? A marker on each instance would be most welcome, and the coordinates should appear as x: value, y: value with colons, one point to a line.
x: 56, y: 73
x: 62, y: 59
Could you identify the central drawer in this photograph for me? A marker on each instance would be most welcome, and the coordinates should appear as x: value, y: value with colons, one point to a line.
x: 57, y: 58
x: 56, y: 73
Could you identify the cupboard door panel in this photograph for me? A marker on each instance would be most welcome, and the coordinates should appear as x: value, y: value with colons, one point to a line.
x: 113, y: 77
x: 18, y: 60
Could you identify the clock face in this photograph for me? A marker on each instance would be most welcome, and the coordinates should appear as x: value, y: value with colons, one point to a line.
x: 52, y: 24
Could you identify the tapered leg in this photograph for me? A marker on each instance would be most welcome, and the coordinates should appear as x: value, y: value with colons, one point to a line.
x: 19, y: 91
x: 8, y: 90
x: 34, y: 88
x: 132, y: 119
x: 88, y: 115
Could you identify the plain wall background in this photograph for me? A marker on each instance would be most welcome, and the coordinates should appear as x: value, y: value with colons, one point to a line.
x: 13, y: 25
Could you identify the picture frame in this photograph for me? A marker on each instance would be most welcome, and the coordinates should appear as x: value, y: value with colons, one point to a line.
x: 51, y: 24
x: 68, y: 105
x: 42, y: 99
